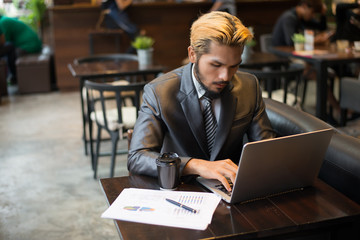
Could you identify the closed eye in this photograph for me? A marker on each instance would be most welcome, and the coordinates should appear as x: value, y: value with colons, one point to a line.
x: 216, y: 65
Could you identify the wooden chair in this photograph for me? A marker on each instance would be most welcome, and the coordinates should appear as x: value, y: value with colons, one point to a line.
x: 108, y: 109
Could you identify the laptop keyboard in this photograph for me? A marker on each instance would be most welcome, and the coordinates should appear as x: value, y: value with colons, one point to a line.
x: 223, y: 189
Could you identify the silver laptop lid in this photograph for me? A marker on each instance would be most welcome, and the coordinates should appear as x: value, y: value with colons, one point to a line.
x: 277, y: 165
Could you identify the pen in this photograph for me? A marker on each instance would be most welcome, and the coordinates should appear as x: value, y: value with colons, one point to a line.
x: 181, y: 205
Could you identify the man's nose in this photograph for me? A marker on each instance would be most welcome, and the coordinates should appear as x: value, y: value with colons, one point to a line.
x: 224, y: 74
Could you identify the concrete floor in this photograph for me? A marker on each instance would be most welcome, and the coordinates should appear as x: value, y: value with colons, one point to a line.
x: 46, y: 186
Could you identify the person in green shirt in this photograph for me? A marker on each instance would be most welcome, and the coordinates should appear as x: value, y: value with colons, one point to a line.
x: 16, y: 38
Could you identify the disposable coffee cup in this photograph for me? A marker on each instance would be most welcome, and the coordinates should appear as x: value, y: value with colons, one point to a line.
x: 168, y: 167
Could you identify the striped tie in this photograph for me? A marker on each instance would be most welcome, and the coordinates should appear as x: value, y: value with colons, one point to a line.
x: 210, y: 123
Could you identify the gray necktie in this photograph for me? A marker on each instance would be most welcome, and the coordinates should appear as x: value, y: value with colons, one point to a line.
x: 210, y: 123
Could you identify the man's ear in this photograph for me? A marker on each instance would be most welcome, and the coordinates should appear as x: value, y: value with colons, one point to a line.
x: 191, y: 54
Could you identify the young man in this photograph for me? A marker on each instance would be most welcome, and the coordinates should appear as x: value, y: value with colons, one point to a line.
x: 297, y: 19
x: 171, y: 116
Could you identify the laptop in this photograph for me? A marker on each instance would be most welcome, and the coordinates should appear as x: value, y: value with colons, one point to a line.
x: 275, y: 166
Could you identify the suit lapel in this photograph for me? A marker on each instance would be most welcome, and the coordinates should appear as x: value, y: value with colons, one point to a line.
x: 190, y: 105
x: 228, y: 106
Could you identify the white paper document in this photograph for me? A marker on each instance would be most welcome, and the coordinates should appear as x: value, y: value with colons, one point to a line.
x: 150, y: 206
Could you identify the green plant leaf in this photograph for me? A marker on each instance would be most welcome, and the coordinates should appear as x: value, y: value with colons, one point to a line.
x: 298, y: 38
x: 143, y: 42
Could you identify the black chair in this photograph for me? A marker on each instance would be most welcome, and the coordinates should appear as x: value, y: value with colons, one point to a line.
x: 349, y: 97
x: 130, y: 76
x: 107, y: 57
x: 266, y: 42
x: 107, y: 106
x: 284, y: 75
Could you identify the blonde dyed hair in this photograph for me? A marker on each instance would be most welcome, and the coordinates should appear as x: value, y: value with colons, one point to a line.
x: 219, y: 27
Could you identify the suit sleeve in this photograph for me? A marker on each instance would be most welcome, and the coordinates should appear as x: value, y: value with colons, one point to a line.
x: 148, y: 136
x: 260, y: 127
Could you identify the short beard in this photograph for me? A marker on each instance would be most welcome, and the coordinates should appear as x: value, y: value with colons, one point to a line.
x: 209, y: 93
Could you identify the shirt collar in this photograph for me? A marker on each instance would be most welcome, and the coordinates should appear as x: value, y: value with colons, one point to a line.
x: 199, y: 89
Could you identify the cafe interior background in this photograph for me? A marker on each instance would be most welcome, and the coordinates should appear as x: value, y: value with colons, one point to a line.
x: 46, y: 186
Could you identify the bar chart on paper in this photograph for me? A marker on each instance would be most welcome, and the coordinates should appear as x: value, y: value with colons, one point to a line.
x: 193, y: 210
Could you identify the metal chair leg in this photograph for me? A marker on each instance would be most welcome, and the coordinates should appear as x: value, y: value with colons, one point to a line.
x: 98, y: 140
x: 114, y: 141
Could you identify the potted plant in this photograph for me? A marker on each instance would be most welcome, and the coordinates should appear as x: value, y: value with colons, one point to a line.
x: 34, y: 13
x: 299, y: 41
x: 144, y: 47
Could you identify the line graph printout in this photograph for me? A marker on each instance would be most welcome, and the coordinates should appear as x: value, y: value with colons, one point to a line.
x: 151, y: 207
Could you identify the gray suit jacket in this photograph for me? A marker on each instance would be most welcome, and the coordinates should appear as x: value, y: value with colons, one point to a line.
x: 170, y: 120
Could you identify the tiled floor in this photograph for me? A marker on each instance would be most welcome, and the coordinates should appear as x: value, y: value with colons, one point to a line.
x: 46, y: 185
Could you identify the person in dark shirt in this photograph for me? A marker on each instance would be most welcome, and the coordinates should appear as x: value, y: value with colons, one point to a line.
x: 347, y: 21
x: 118, y: 14
x: 348, y: 28
x: 297, y: 19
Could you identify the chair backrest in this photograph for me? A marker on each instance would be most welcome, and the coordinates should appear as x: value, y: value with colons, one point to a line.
x: 293, y: 71
x: 350, y: 93
x: 285, y: 74
x: 107, y: 103
x: 265, y: 42
x: 107, y: 57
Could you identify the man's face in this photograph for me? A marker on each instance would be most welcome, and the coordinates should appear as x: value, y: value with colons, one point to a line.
x: 216, y: 68
x: 308, y: 13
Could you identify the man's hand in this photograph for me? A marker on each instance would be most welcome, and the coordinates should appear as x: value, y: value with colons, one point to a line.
x: 323, y: 37
x: 219, y: 170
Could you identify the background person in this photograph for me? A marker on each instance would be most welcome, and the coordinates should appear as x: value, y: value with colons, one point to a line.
x: 120, y: 19
x: 228, y: 6
x: 348, y: 28
x: 299, y: 18
x: 171, y: 116
x: 16, y: 38
x: 296, y: 20
x: 347, y: 17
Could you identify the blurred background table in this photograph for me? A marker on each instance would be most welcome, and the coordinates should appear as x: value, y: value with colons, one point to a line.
x: 323, y: 57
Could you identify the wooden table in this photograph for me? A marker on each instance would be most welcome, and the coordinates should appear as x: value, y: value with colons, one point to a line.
x: 318, y: 210
x: 320, y: 62
x: 108, y: 70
